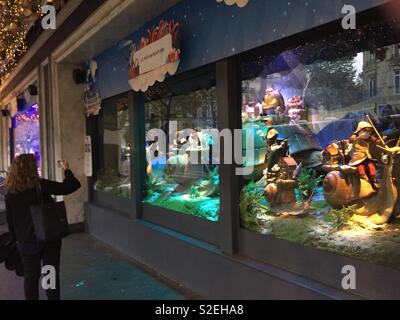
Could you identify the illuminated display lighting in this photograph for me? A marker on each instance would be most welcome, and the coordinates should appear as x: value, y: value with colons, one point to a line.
x: 16, y: 19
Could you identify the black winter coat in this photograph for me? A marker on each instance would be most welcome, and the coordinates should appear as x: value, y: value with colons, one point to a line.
x: 18, y: 205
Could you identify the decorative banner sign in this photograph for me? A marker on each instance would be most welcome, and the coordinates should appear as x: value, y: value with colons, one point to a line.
x: 157, y: 55
x: 240, y: 3
x: 88, y: 157
x: 91, y: 95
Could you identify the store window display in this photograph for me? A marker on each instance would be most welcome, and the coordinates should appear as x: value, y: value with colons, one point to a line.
x: 27, y: 133
x: 116, y: 145
x: 182, y: 176
x: 327, y: 151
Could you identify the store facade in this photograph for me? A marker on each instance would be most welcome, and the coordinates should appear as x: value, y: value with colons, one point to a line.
x: 30, y: 108
x: 314, y: 86
x: 310, y: 185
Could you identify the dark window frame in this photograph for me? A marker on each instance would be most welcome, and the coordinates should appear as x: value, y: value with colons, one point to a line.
x: 198, y: 228
x: 125, y: 206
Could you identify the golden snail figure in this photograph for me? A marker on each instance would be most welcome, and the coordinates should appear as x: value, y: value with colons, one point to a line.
x: 352, y: 175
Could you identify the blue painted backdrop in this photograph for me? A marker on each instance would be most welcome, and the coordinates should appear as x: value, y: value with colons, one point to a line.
x: 212, y: 31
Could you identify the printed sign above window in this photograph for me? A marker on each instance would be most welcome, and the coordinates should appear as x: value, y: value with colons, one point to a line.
x: 240, y: 3
x: 157, y: 55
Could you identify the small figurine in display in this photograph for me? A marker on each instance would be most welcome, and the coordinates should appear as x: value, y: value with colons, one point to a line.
x: 258, y: 110
x: 360, y: 152
x: 245, y: 115
x: 331, y: 155
x: 355, y: 182
x: 269, y: 122
x: 248, y: 110
x: 276, y: 149
x: 296, y: 108
x: 282, y: 183
x: 194, y: 141
x: 178, y: 158
x: 274, y: 103
x: 335, y: 155
x: 183, y: 142
x: 350, y: 170
x: 152, y: 153
x: 252, y: 110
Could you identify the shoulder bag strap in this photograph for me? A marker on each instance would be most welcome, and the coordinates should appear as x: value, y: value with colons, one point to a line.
x: 39, y: 191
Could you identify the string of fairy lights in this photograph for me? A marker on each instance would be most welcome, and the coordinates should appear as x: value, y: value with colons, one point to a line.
x: 16, y: 18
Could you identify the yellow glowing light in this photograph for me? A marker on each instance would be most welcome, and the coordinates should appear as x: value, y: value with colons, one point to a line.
x: 16, y: 17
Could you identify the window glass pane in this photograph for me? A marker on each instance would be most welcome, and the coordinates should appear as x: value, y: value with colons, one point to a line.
x: 321, y: 114
x: 115, y: 174
x: 180, y: 173
x: 27, y: 133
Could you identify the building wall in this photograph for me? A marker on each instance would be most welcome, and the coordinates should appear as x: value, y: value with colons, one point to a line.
x: 72, y: 134
x: 4, y: 143
x: 383, y: 70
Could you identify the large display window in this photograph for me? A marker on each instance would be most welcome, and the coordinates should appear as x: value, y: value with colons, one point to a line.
x: 325, y: 118
x: 116, y: 143
x: 181, y: 174
x: 27, y: 133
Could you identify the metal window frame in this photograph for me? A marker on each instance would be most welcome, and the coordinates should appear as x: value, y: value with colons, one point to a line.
x: 122, y: 205
x: 198, y: 228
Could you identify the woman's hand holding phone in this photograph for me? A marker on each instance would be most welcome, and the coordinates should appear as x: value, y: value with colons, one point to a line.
x: 63, y: 164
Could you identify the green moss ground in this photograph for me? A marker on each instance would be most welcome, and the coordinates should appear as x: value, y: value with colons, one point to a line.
x: 376, y: 246
x: 114, y: 185
x: 207, y: 208
x: 323, y: 228
x: 189, y: 197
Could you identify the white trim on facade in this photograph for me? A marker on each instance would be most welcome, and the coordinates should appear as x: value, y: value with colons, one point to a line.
x: 43, y: 119
x: 96, y: 21
x: 55, y: 114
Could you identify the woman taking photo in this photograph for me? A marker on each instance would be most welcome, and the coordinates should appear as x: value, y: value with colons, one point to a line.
x: 22, y: 185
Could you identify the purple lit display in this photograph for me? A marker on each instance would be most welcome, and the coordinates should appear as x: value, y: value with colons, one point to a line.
x: 27, y: 133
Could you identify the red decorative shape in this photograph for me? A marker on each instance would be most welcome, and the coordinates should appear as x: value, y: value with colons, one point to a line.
x: 295, y: 102
x: 174, y: 55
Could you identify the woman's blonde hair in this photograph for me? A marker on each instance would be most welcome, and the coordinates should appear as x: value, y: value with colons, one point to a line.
x: 23, y: 174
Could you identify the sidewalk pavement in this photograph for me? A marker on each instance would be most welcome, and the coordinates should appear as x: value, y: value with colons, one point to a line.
x: 91, y: 270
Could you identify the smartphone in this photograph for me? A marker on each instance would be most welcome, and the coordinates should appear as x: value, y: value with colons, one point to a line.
x: 60, y: 164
